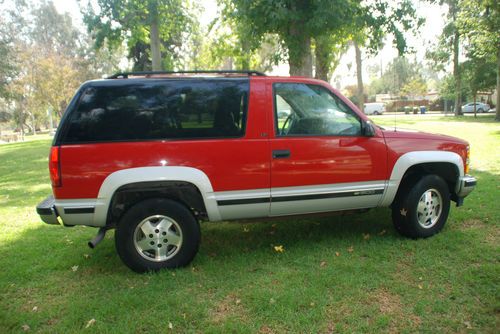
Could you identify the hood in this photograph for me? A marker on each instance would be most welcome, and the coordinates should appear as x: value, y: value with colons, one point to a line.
x: 415, y: 134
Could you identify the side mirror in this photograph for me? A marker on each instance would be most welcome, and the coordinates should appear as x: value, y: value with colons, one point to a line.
x: 367, y: 129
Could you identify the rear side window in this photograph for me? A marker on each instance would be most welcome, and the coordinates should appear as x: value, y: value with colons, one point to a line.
x: 159, y: 109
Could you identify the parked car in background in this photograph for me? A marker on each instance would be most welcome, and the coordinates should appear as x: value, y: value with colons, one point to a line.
x: 480, y: 107
x: 375, y: 108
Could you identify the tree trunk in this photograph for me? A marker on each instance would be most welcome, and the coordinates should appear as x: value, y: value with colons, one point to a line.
x: 456, y: 73
x: 154, y: 37
x: 498, y: 85
x: 322, y: 58
x: 299, y: 51
x: 359, y: 76
x: 475, y: 98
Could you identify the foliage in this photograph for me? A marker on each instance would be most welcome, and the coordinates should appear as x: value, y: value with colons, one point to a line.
x: 112, y: 22
x: 51, y: 59
x: 399, y: 72
x: 479, y: 22
x: 415, y: 87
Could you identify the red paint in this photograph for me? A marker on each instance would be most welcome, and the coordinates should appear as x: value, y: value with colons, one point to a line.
x: 246, y: 163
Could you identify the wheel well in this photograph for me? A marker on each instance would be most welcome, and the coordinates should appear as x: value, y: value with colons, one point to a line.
x: 446, y: 170
x: 183, y: 192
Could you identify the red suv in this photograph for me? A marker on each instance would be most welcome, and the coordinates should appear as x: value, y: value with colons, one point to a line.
x: 152, y: 154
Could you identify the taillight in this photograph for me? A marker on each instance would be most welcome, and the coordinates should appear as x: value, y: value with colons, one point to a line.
x: 55, y: 166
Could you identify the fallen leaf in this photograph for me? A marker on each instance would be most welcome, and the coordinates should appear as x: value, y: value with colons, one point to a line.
x: 382, y: 232
x: 420, y: 286
x: 87, y: 256
x: 246, y: 229
x: 403, y: 212
x: 350, y: 249
x: 467, y: 324
x: 337, y: 254
x: 74, y: 268
x: 366, y: 236
x: 272, y: 301
x: 35, y: 308
x: 238, y: 301
x: 312, y: 304
x: 322, y: 264
x: 279, y: 249
x: 25, y: 328
x: 273, y: 225
x: 90, y: 323
x: 170, y: 326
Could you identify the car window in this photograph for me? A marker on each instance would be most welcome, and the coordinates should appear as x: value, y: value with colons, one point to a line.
x: 160, y: 109
x: 313, y: 111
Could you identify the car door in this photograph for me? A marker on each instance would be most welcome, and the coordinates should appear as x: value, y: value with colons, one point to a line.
x: 321, y: 161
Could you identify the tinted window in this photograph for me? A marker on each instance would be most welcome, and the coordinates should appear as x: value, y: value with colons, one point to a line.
x: 159, y: 109
x: 303, y: 109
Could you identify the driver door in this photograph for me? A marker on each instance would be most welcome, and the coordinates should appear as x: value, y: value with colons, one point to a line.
x: 320, y: 159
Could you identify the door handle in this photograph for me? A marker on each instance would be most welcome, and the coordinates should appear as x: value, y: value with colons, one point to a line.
x: 280, y: 154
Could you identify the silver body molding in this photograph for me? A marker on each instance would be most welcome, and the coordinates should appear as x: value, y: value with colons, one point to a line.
x: 257, y: 203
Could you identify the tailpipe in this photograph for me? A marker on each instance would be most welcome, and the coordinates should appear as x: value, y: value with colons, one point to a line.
x: 98, y: 238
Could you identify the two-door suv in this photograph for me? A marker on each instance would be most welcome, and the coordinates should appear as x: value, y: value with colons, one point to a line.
x: 152, y: 154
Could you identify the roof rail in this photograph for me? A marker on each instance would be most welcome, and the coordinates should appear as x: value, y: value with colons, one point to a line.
x: 125, y: 75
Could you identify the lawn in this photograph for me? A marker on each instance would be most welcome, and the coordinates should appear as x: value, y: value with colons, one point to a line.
x: 336, y: 274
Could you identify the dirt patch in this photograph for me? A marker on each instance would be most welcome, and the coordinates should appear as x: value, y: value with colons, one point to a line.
x: 471, y: 223
x: 387, y: 302
x: 228, y: 307
x: 390, y: 305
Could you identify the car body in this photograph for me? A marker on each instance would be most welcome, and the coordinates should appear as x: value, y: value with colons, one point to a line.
x: 374, y: 108
x: 480, y: 107
x: 152, y: 155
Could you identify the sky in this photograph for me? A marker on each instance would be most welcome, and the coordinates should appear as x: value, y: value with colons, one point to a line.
x: 345, y: 73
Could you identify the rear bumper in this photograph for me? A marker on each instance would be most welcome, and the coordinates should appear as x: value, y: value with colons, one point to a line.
x: 467, y: 183
x: 47, y: 211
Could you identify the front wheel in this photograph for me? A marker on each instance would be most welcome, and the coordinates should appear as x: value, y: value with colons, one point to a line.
x: 421, y: 208
x: 155, y: 234
x: 480, y: 111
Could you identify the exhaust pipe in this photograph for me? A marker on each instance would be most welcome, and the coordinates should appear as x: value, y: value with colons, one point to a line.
x: 98, y: 238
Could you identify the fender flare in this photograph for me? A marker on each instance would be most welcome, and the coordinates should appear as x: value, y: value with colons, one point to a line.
x: 410, y: 159
x: 153, y: 174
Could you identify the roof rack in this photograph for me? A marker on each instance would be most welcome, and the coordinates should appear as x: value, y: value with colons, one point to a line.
x: 125, y: 75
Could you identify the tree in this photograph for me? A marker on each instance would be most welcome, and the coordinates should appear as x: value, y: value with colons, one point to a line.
x: 157, y: 27
x: 415, y: 87
x: 448, y: 47
x: 479, y: 22
x: 479, y: 75
x: 296, y: 23
x: 396, y: 75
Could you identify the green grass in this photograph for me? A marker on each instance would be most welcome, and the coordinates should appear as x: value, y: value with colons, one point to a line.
x: 337, y: 274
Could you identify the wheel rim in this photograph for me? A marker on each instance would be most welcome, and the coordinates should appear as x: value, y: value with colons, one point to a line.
x: 158, y: 238
x: 429, y: 208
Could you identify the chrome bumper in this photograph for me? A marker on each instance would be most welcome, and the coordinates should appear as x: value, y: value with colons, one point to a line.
x: 47, y: 211
x: 467, y: 183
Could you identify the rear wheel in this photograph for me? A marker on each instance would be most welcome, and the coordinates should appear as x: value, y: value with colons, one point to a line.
x: 375, y: 112
x: 422, y: 207
x: 480, y: 110
x: 156, y: 234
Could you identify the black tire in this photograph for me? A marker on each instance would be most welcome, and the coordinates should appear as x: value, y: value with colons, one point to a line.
x: 173, y: 220
x: 414, y: 221
x: 375, y: 112
x: 480, y: 110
